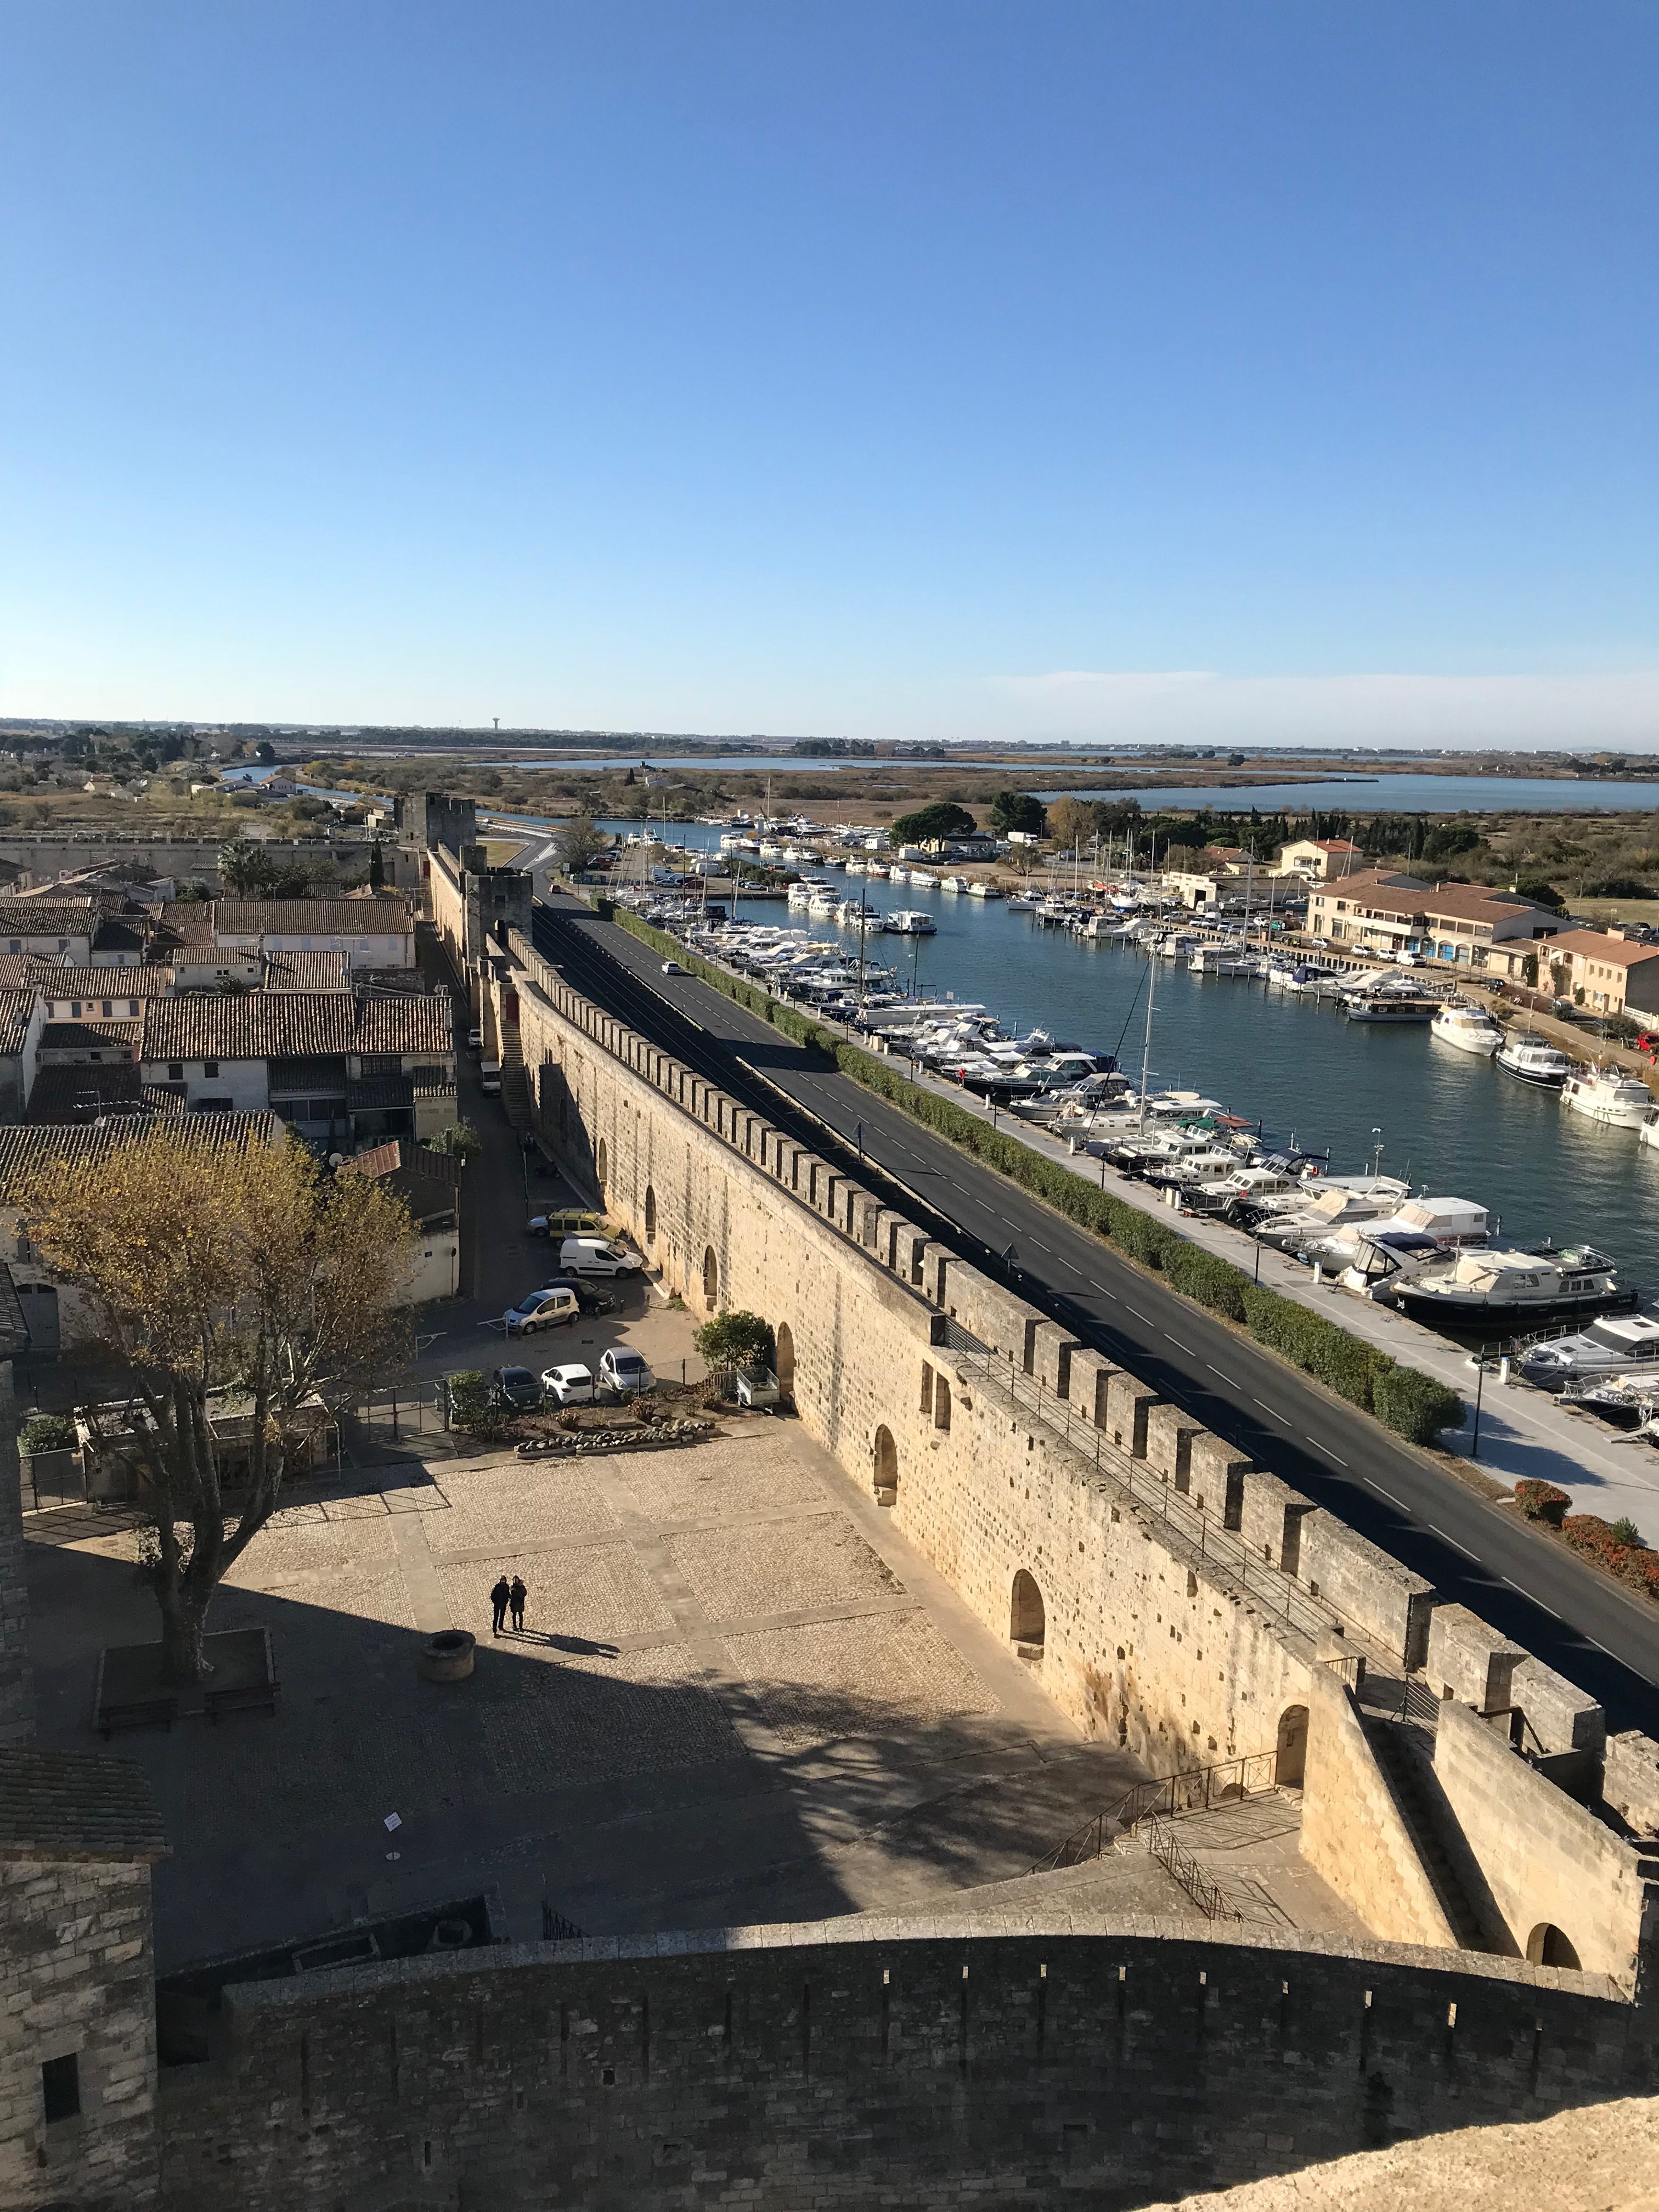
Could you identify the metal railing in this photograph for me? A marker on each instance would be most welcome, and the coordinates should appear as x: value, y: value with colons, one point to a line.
x: 1405, y: 1699
x: 1194, y: 1791
x: 1177, y: 1861
x: 555, y: 1929
x: 1277, y: 1590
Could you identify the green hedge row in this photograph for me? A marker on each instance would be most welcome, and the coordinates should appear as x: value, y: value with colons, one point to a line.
x: 1412, y: 1404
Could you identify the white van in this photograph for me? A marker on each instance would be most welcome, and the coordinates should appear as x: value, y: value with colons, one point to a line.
x: 597, y: 1255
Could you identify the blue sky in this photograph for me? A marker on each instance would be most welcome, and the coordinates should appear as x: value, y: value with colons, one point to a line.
x: 1156, y: 371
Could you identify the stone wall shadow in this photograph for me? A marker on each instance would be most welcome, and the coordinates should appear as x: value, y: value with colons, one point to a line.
x: 626, y: 1789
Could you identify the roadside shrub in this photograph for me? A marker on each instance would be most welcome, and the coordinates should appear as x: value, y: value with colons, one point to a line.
x: 1205, y: 1276
x: 45, y: 1432
x: 1542, y: 1501
x: 1139, y: 1236
x: 1415, y: 1406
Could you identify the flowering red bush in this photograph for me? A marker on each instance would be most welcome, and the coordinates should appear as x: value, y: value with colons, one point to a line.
x: 1588, y: 1533
x: 1542, y: 1501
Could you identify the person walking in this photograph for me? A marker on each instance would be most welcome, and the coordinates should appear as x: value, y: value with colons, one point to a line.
x: 501, y: 1597
x: 517, y: 1594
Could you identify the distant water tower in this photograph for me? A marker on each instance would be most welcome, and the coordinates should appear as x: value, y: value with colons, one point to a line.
x: 498, y: 721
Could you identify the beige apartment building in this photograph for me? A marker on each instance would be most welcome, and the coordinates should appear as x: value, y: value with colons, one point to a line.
x: 1466, y: 924
x: 1605, y: 970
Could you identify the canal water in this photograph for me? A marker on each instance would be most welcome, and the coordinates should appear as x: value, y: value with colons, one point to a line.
x: 1452, y: 1125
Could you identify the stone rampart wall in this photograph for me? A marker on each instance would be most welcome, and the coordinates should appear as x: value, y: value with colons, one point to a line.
x: 1353, y: 1832
x: 840, y: 2065
x: 1546, y: 1860
x: 1143, y: 1638
x: 75, y: 1971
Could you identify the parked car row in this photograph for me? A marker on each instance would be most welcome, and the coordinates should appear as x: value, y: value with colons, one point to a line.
x: 621, y: 1373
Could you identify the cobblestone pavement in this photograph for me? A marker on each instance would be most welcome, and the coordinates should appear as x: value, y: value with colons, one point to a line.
x: 738, y: 1695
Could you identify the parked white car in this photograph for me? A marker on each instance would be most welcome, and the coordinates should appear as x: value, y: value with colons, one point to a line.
x: 490, y: 1078
x: 597, y: 1255
x: 541, y: 1310
x: 568, y: 1386
x: 622, y: 1369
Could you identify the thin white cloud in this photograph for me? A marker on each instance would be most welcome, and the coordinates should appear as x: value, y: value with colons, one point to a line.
x: 1199, y: 705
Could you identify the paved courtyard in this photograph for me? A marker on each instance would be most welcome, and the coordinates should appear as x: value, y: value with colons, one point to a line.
x: 739, y: 1695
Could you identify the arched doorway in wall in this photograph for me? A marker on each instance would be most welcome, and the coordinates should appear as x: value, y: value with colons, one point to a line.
x: 1027, y: 1619
x: 885, y: 1467
x: 1290, y: 1762
x: 650, y: 1215
x: 1548, y: 1947
x: 711, y: 1278
x: 786, y: 1360
x: 602, y: 1165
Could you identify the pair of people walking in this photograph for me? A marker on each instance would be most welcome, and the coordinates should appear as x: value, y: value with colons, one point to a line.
x: 508, y: 1597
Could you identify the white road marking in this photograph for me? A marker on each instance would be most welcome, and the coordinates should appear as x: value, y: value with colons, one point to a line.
x: 1175, y: 1341
x: 1225, y: 1378
x: 1456, y: 1546
x: 1325, y: 1449
x: 1268, y: 1410
x: 1381, y: 1492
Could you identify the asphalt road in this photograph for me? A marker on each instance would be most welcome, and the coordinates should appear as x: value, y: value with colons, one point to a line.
x: 1475, y: 1554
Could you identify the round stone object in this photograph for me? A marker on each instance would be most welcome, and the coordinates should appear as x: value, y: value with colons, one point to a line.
x: 448, y: 1655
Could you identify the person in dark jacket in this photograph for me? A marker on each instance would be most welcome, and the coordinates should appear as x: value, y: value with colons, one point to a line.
x: 501, y: 1597
x: 517, y: 1595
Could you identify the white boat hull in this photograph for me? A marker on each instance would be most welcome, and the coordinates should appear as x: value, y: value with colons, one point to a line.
x: 1467, y: 1040
x: 1617, y: 1116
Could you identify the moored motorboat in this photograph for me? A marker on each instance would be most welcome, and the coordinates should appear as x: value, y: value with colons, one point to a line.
x: 1468, y: 1027
x: 1526, y: 1055
x: 1609, y: 1095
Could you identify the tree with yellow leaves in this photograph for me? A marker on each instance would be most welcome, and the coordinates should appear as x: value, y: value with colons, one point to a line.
x: 210, y: 1267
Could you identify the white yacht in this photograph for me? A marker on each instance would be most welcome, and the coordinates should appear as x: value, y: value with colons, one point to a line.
x: 1469, y: 1027
x: 1506, y: 1287
x: 1021, y: 904
x: 1617, y: 1344
x: 1609, y: 1095
x: 1523, y: 1053
x: 909, y: 921
x: 985, y: 891
x: 1328, y: 1206
x: 953, y: 883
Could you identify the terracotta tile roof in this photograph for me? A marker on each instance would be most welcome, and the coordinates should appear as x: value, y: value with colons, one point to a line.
x: 47, y: 917
x: 77, y: 1806
x: 26, y: 971
x: 1591, y: 944
x: 308, y: 971
x: 82, y: 1094
x: 342, y: 917
x: 73, y: 1036
x: 16, y: 1008
x: 406, y: 1023
x: 261, y: 1026
x: 23, y: 1149
x: 186, y: 923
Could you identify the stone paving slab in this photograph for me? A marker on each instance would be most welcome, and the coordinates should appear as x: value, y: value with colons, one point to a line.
x: 781, y: 1566
x: 740, y: 1694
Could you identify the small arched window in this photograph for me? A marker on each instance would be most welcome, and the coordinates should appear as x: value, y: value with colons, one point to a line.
x: 650, y: 1215
x: 711, y: 1278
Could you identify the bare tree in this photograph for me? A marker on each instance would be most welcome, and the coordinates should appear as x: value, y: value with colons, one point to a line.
x: 219, y: 1276
x: 581, y: 841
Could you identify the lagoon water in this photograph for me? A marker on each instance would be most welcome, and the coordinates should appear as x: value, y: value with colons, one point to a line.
x: 1450, y: 1122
